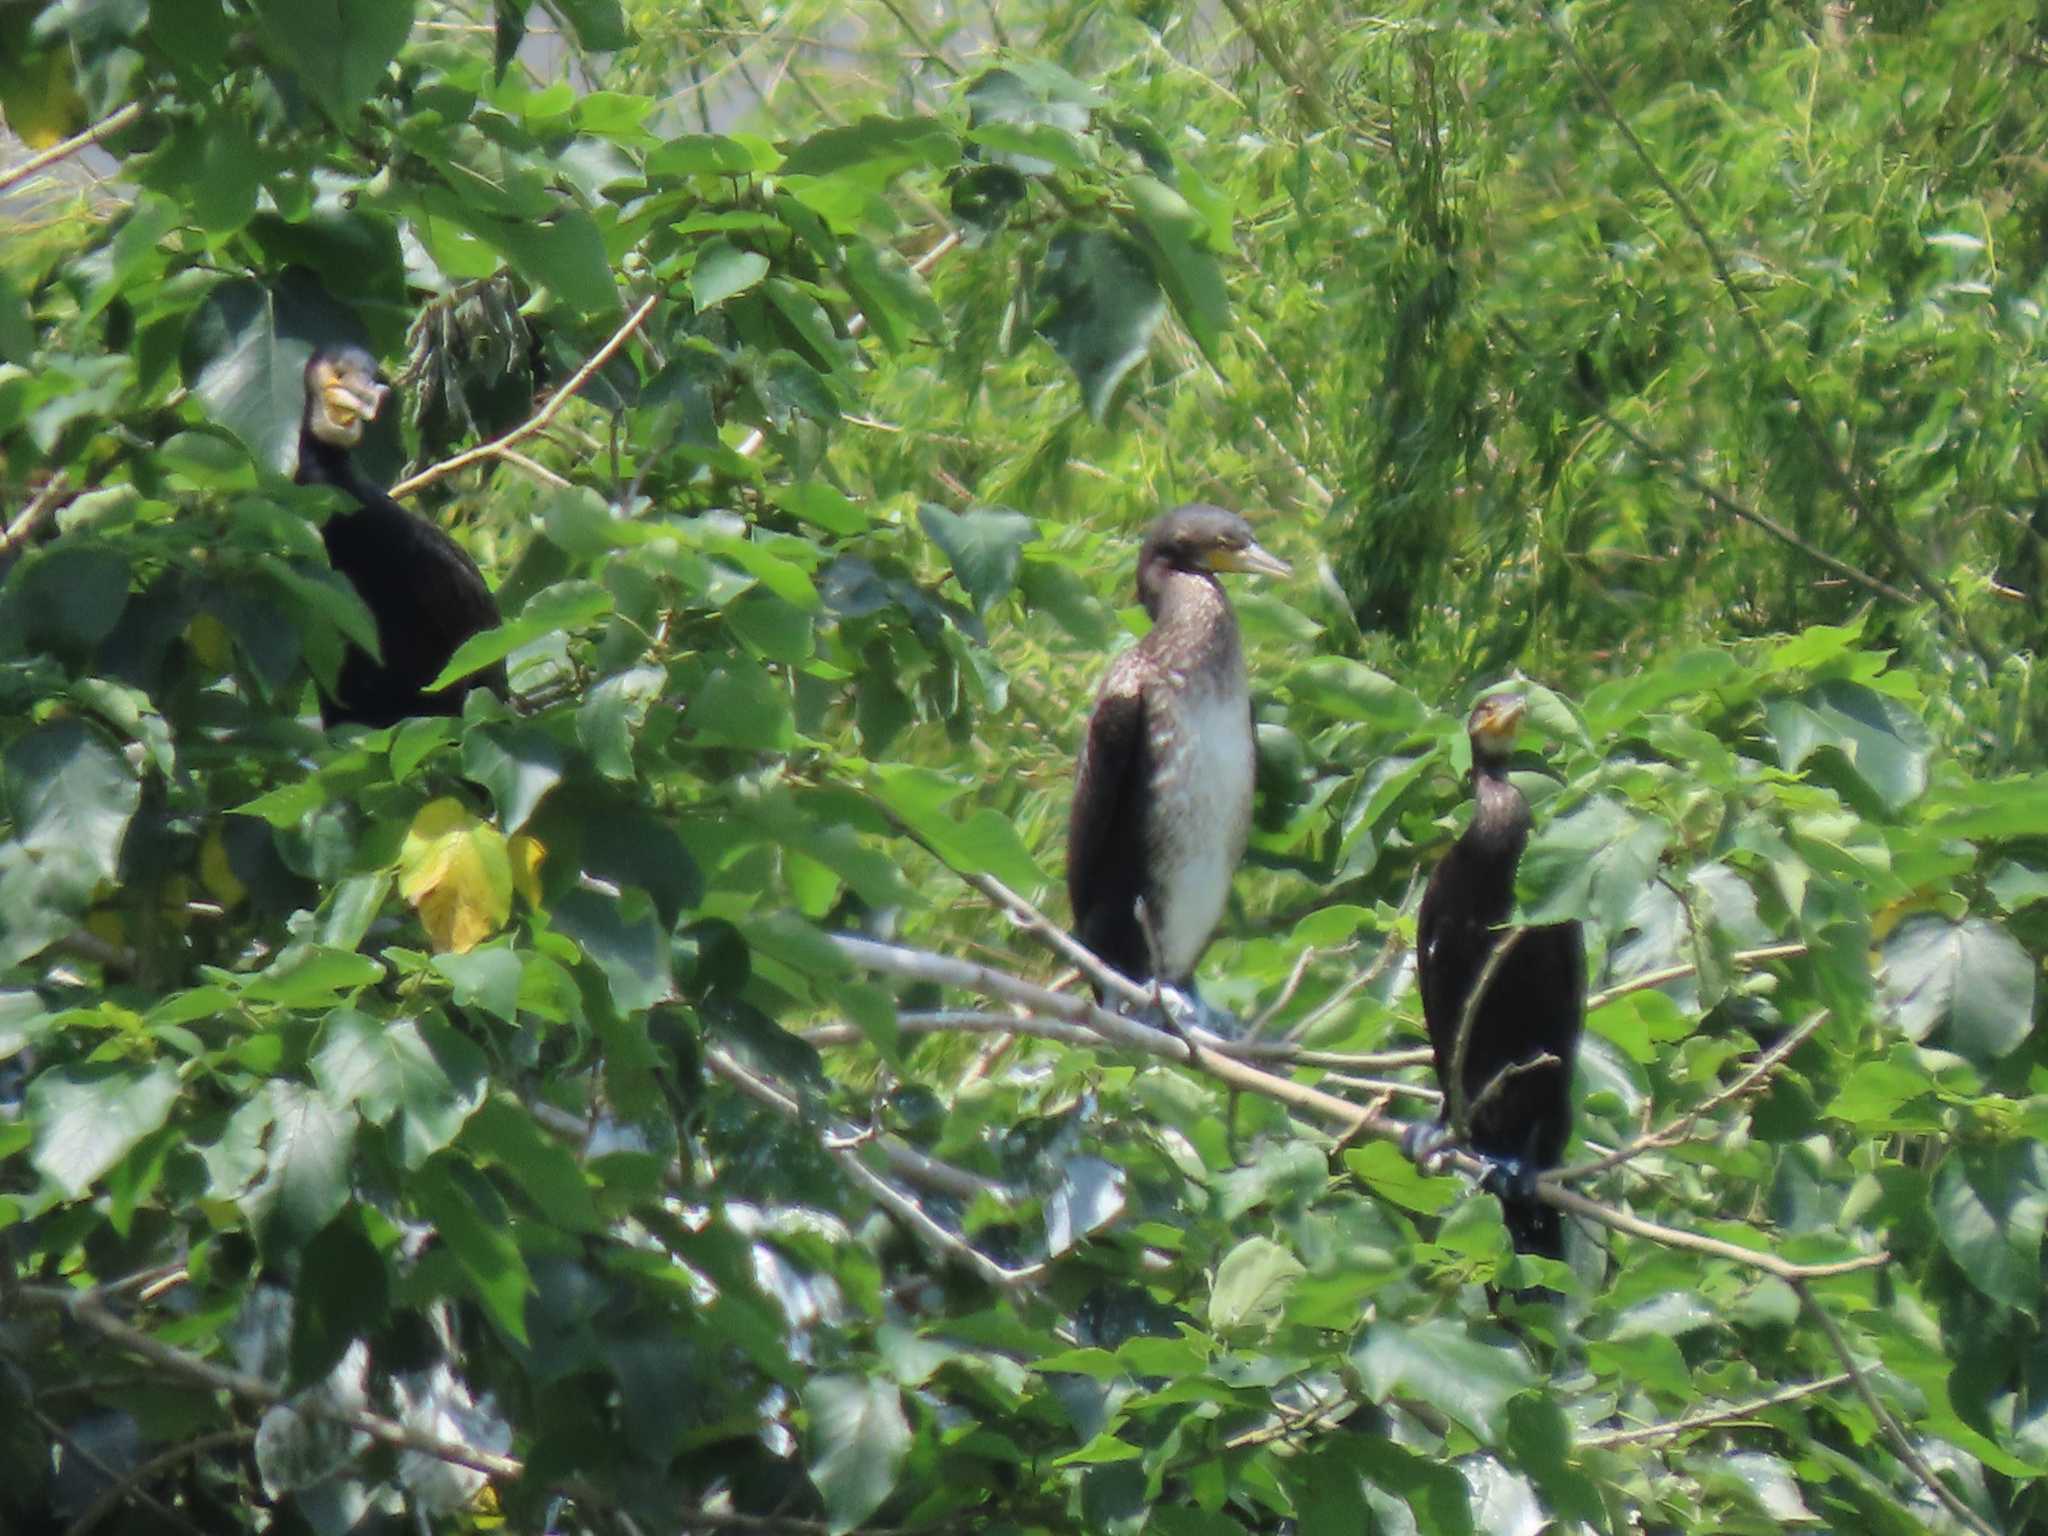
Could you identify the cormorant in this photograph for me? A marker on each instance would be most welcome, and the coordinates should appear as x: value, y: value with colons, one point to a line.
x: 1163, y: 800
x: 1534, y: 1003
x: 421, y: 587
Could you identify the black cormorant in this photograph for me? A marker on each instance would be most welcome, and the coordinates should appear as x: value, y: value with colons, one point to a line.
x: 1163, y: 800
x: 1535, y: 1001
x: 421, y: 587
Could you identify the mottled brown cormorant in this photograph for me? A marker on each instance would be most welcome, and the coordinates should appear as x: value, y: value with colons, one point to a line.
x: 421, y: 587
x: 1163, y: 800
x: 1535, y: 1002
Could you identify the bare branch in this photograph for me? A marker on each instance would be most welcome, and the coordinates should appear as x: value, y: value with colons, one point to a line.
x: 111, y: 124
x: 1509, y: 1073
x: 1671, y: 1429
x: 88, y: 1309
x: 540, y: 418
x: 847, y: 1156
x: 1894, y: 1433
x: 1742, y: 958
x: 1201, y: 1049
x: 1460, y: 1113
x: 139, y: 1477
x: 1680, y: 1128
x: 1305, y: 95
x: 40, y: 506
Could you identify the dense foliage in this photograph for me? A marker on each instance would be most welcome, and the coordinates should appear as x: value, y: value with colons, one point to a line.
x: 630, y: 1107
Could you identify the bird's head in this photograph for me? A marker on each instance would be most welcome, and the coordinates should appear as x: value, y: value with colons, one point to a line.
x: 343, y: 393
x: 1207, y: 539
x: 1495, y: 720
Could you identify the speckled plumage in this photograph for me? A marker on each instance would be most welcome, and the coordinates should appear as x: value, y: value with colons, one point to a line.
x: 1163, y: 798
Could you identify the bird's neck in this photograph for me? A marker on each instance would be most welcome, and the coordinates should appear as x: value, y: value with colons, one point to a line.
x: 1189, y: 607
x: 1500, y: 816
x: 323, y: 463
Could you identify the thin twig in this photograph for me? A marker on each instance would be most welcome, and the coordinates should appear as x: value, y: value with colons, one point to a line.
x: 1509, y: 1073
x: 1901, y: 1445
x: 1459, y: 1111
x: 847, y: 1155
x: 149, y: 1471
x: 751, y: 443
x: 89, y: 1310
x: 925, y: 45
x: 1837, y: 472
x: 540, y: 418
x: 112, y: 123
x: 40, y: 506
x: 1609, y: 1439
x: 1305, y: 95
x: 1199, y: 1048
x: 1670, y: 1135
x: 74, y: 1447
x: 1742, y: 958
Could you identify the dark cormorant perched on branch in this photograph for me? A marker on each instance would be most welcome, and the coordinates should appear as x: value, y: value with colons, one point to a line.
x: 1519, y: 1112
x: 1163, y: 801
x: 421, y: 587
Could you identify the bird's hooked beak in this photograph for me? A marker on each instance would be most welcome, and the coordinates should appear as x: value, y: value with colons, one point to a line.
x: 1253, y: 559
x: 347, y: 402
x: 1496, y: 720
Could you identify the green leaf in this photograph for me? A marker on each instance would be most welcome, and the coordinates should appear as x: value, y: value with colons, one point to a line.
x: 549, y: 1172
x: 1100, y: 305
x: 1044, y: 120
x: 471, y: 1219
x: 600, y: 25
x: 708, y: 154
x: 858, y: 1442
x: 1252, y: 1285
x: 307, y: 1167
x: 1884, y: 743
x: 385, y: 1069
x: 339, y: 48
x: 88, y: 1118
x: 624, y: 937
x: 567, y: 605
x: 878, y: 146
x: 66, y: 598
x: 983, y: 544
x: 343, y: 1294
x: 310, y: 976
x: 1186, y: 268
x: 564, y: 251
x: 1438, y: 1362
x: 246, y: 350
x: 723, y: 270
x: 892, y: 297
x: 1990, y: 1210
x: 70, y: 798
x: 1970, y: 980
x: 741, y: 704
x: 518, y: 764
x: 1593, y: 862
x: 1350, y: 690
x: 486, y: 978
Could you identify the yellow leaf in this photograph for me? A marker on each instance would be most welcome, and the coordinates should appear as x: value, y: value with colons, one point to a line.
x: 217, y: 872
x: 211, y: 642
x: 527, y: 852
x: 455, y: 870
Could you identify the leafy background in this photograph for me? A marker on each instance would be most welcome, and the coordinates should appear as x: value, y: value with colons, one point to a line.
x: 641, y: 1109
